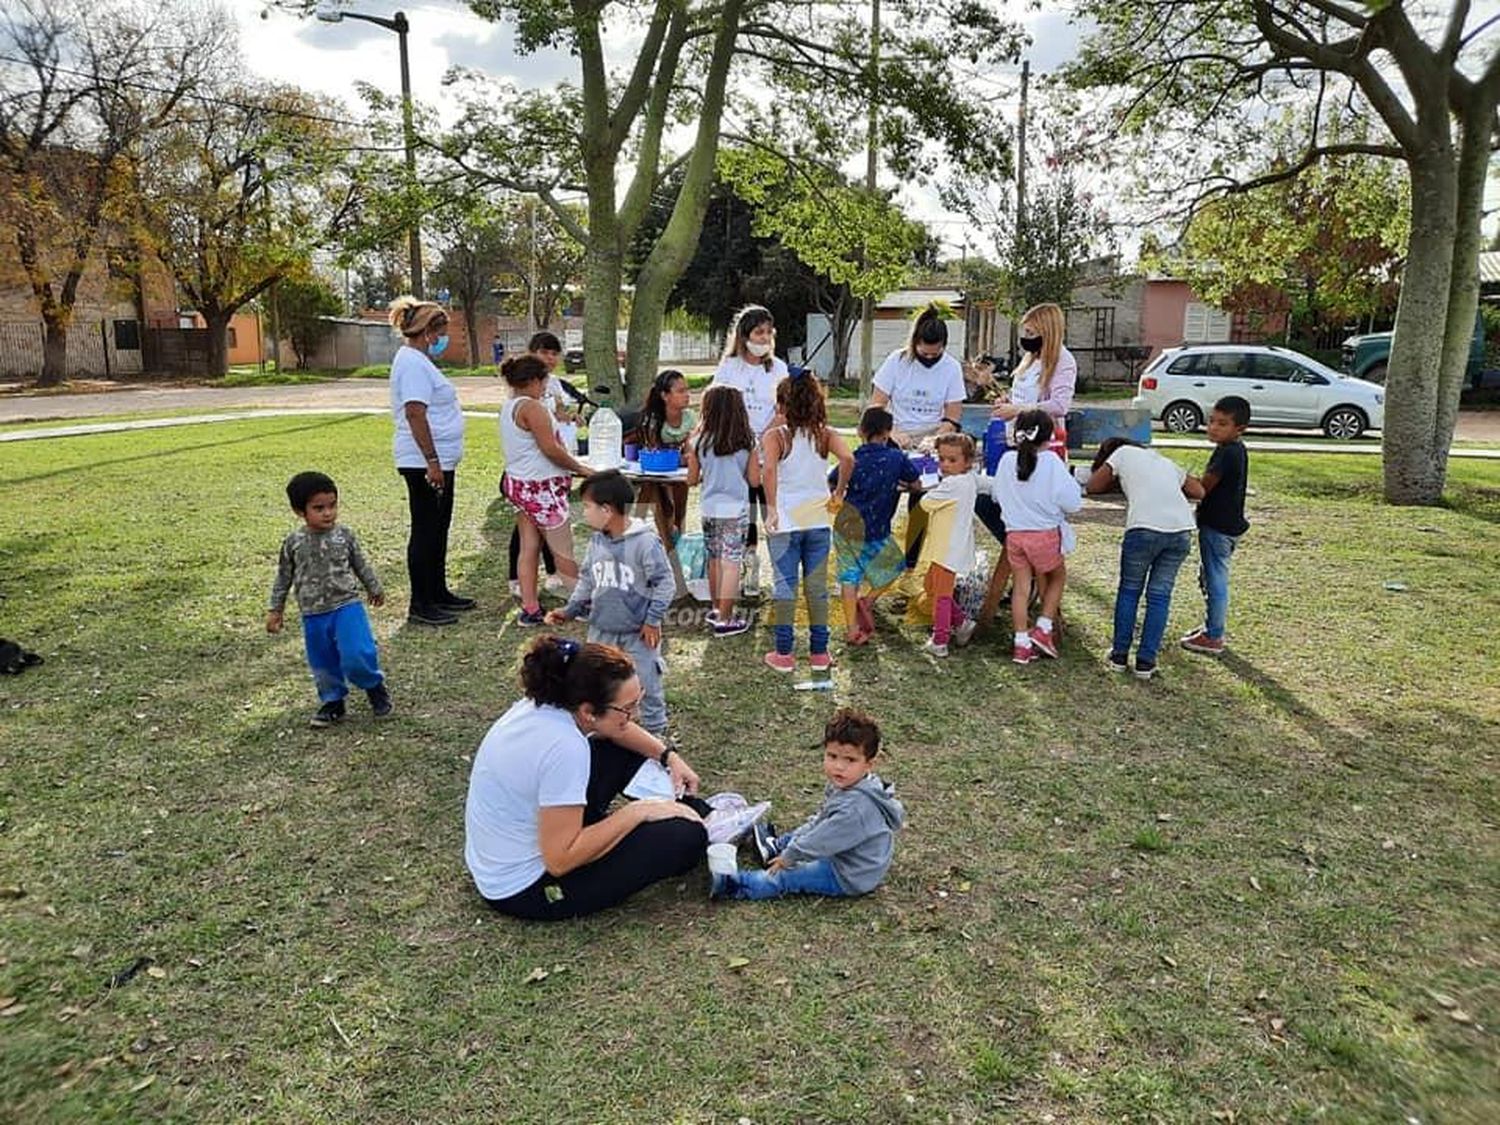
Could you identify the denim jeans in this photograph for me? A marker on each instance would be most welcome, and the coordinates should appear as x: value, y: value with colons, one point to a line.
x: 1149, y: 561
x: 1214, y: 549
x: 815, y: 878
x: 807, y: 550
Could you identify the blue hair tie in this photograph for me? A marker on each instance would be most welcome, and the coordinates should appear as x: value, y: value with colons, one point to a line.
x: 568, y: 648
x: 795, y: 372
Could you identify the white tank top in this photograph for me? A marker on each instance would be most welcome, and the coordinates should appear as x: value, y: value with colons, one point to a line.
x: 524, y: 459
x: 801, y: 485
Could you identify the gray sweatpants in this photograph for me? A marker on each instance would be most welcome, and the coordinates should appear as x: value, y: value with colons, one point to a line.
x: 649, y: 668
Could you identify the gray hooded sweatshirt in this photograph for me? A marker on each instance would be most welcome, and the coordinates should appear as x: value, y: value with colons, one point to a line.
x: 855, y: 830
x: 628, y: 579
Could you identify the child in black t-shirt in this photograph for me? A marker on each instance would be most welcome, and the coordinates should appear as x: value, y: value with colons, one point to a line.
x: 1221, y: 519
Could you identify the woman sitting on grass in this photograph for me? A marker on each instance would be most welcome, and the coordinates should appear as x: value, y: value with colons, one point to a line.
x: 540, y: 841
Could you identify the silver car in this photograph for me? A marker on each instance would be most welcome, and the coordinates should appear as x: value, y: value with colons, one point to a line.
x: 1284, y: 389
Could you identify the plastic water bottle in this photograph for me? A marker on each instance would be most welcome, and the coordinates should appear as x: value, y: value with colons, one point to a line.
x: 994, y: 444
x: 606, y: 436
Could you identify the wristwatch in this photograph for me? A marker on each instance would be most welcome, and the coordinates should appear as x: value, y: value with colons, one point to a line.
x: 665, y: 754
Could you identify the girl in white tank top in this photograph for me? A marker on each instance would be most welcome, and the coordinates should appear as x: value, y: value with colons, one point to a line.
x: 796, y: 482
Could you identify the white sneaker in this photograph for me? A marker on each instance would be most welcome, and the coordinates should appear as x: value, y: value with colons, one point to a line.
x: 965, y: 632
x: 932, y: 648
x: 557, y: 584
x: 725, y: 826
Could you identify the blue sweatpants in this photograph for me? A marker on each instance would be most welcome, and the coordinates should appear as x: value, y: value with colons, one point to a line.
x: 340, y: 648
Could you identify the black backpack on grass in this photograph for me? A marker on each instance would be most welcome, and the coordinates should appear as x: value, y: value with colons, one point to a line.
x: 14, y: 659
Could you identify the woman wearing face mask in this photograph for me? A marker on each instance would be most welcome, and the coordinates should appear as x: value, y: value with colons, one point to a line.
x: 751, y: 366
x: 923, y: 388
x: 921, y: 385
x: 1047, y: 373
x: 429, y: 443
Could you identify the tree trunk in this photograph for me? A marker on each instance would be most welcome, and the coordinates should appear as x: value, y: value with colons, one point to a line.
x: 1415, y: 459
x: 54, y: 351
x: 471, y: 326
x: 218, y: 342
x: 603, y: 272
x: 675, y: 246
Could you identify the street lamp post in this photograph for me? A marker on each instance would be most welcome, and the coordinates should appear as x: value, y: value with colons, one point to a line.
x: 397, y: 23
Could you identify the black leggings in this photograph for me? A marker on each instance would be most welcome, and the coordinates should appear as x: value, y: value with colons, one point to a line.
x: 757, y: 504
x: 653, y: 851
x: 427, y: 545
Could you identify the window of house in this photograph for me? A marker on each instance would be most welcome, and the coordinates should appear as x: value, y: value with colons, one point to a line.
x: 229, y: 333
x: 1204, y: 324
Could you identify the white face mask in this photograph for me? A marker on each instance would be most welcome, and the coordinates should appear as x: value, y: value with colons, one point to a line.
x: 759, y: 351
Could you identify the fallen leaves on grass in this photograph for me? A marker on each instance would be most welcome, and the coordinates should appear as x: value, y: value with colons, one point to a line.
x: 736, y: 962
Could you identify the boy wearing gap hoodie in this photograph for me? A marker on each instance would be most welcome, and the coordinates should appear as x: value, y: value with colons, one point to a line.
x: 628, y: 580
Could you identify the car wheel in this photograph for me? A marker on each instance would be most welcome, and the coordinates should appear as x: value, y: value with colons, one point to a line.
x: 1182, y: 417
x: 1376, y: 373
x: 1344, y: 423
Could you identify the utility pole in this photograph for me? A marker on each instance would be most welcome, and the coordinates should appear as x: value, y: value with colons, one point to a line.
x: 1013, y: 358
x: 867, y: 310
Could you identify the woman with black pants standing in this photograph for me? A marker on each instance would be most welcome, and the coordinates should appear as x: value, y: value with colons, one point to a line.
x: 539, y: 839
x: 429, y: 442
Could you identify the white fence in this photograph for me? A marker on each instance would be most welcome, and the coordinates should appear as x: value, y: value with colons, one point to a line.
x: 94, y: 348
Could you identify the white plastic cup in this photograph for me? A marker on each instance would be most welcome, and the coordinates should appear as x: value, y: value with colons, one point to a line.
x: 722, y: 859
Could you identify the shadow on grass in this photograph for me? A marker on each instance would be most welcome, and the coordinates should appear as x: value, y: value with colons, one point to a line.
x: 157, y: 455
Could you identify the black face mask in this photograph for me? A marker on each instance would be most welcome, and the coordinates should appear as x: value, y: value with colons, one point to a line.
x: 1032, y: 344
x: 929, y: 360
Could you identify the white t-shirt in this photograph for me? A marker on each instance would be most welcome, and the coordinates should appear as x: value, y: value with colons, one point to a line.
x: 532, y: 758
x: 918, y: 394
x: 756, y: 385
x: 1026, y: 390
x: 1043, y: 500
x: 1153, y: 489
x: 414, y: 378
x: 801, y: 485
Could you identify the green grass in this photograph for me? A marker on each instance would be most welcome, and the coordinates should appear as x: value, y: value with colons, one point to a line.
x: 1265, y: 888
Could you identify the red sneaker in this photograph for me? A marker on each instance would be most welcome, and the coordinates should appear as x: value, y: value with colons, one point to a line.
x: 781, y: 662
x: 1044, y: 643
x: 820, y: 661
x: 1023, y: 654
x: 1204, y: 644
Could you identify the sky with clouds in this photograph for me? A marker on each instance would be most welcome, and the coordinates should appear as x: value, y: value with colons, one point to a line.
x: 330, y: 58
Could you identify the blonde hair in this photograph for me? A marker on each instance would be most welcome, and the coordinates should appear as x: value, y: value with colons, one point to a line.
x: 412, y: 317
x: 1049, y: 321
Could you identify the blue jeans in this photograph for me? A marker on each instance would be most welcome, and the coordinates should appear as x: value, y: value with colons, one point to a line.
x: 807, y: 550
x: 1214, y: 549
x: 815, y: 878
x: 1149, y: 561
x: 341, y: 647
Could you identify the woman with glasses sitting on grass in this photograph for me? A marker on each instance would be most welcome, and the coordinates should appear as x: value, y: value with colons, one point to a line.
x: 540, y: 841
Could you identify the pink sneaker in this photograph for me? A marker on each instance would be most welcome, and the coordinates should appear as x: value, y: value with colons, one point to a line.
x: 781, y: 662
x: 820, y: 661
x: 1043, y: 642
x: 1023, y: 654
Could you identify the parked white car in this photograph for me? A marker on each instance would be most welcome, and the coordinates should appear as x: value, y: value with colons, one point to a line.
x: 1284, y: 389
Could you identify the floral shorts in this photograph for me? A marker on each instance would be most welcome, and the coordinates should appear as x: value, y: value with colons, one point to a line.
x: 544, y: 502
x: 724, y: 537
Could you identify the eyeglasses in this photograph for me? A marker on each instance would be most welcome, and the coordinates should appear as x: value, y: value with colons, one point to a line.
x: 629, y: 712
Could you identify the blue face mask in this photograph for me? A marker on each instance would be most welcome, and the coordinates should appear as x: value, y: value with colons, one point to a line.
x: 438, y: 346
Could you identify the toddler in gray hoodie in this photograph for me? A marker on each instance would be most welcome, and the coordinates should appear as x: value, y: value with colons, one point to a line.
x: 628, y: 580
x: 845, y: 847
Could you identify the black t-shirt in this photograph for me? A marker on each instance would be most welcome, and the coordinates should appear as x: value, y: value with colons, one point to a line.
x: 1223, y: 509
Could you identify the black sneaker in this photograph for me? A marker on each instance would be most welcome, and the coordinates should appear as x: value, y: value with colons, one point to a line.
x: 456, y: 603
x: 1118, y: 662
x: 380, y: 701
x: 763, y: 833
x: 429, y: 615
x: 328, y: 714
x: 1144, y: 669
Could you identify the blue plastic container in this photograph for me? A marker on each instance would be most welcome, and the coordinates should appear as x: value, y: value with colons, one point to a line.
x: 661, y: 460
x: 994, y: 444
